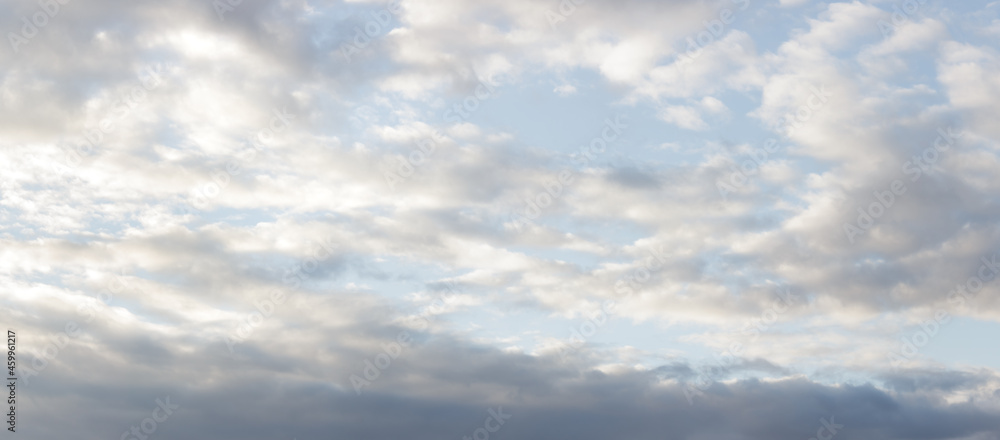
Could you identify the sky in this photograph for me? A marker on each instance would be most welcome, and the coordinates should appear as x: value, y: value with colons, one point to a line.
x: 501, y: 219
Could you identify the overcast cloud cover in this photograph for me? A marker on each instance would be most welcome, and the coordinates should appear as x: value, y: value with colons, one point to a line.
x: 503, y: 219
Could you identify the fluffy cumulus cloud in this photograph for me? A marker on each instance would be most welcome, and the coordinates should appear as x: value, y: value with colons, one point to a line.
x: 728, y: 219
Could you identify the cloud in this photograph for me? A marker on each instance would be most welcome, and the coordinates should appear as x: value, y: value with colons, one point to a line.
x: 241, y: 208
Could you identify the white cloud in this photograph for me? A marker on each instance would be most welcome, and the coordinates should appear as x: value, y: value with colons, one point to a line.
x: 630, y: 207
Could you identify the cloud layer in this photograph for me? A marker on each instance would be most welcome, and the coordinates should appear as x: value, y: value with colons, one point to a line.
x: 365, y: 219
